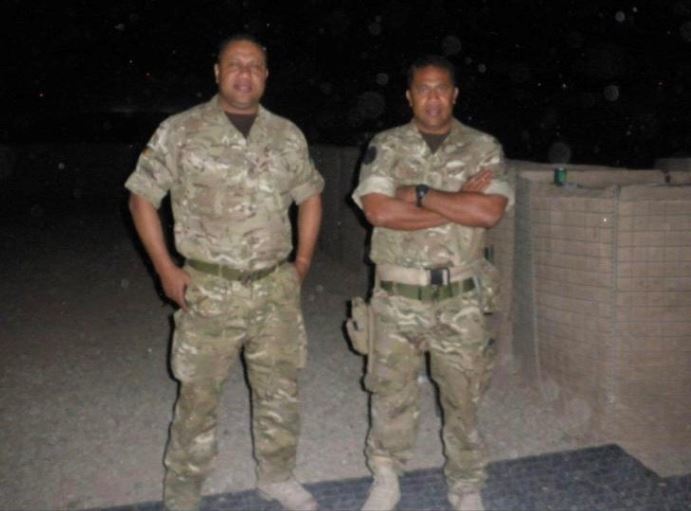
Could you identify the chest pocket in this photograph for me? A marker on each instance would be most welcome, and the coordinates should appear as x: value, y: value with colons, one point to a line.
x: 272, y: 174
x: 214, y: 181
x: 410, y: 170
x: 457, y: 167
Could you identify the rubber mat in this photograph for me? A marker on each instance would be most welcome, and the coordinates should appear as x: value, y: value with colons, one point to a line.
x: 600, y: 478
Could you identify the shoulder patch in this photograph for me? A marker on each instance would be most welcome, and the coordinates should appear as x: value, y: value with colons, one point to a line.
x: 370, y: 155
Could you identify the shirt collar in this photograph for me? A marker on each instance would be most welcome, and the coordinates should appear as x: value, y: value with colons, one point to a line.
x: 456, y: 134
x: 217, y: 116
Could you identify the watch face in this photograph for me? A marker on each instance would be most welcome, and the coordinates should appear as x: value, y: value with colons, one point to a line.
x: 420, y: 192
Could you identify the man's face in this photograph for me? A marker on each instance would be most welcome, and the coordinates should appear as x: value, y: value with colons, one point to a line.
x: 241, y: 77
x: 432, y: 96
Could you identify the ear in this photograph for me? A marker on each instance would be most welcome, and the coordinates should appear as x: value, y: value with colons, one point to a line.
x: 216, y: 71
x: 407, y: 96
x: 455, y: 94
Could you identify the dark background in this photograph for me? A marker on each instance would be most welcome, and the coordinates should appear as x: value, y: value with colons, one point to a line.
x: 555, y: 80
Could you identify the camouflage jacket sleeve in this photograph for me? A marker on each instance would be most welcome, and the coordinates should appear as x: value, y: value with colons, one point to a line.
x: 375, y: 172
x: 308, y: 181
x: 503, y: 182
x: 156, y: 169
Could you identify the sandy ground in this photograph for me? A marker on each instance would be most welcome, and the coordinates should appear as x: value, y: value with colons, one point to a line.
x: 87, y: 395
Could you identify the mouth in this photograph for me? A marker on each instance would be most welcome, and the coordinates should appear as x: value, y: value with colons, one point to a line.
x: 244, y: 88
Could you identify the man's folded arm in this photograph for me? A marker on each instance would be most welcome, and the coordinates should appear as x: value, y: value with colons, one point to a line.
x: 472, y: 209
x: 394, y: 213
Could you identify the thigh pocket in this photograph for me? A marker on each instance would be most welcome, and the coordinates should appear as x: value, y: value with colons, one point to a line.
x: 198, y: 349
x: 205, y: 294
x: 393, y: 361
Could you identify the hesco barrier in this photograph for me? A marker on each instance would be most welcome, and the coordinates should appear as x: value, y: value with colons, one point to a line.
x: 601, y: 300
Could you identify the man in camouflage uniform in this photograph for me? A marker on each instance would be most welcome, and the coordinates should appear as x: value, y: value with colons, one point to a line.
x: 430, y: 188
x: 232, y: 169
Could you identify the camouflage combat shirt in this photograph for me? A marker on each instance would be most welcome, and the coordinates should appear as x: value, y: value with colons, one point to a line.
x: 400, y: 156
x: 229, y: 195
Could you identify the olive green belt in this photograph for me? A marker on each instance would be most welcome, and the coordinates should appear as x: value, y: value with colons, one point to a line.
x: 428, y: 293
x: 231, y: 273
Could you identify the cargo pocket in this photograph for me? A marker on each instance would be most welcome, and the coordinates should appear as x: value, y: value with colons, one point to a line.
x: 489, y: 286
x: 357, y: 325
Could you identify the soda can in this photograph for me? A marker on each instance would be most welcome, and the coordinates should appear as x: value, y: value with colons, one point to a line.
x: 560, y: 176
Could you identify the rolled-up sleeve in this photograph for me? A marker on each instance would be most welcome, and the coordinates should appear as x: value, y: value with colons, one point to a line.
x: 375, y: 173
x: 503, y: 181
x: 308, y: 181
x: 156, y: 170
x: 374, y: 184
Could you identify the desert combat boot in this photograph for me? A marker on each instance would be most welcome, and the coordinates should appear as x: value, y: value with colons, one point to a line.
x: 466, y: 501
x: 384, y: 493
x: 290, y: 494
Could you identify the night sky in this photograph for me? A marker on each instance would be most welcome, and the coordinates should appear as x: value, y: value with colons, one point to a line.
x: 583, y: 81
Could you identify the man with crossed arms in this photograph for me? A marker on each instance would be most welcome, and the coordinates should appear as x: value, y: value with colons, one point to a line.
x: 431, y: 188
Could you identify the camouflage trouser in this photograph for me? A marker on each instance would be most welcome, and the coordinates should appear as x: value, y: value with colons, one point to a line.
x: 224, y: 316
x: 461, y: 356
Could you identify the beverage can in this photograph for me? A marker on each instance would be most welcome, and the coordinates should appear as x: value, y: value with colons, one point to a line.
x: 560, y: 176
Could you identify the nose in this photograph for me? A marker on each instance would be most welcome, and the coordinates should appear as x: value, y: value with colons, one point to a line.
x: 434, y: 94
x: 244, y: 69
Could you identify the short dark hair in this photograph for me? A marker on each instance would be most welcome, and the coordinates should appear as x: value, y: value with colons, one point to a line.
x: 434, y: 61
x: 241, y: 36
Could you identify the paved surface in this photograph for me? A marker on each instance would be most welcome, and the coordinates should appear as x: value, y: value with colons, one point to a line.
x: 601, y: 478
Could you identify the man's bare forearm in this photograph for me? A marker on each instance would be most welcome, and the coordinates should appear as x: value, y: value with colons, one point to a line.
x: 309, y: 221
x: 150, y: 231
x: 472, y: 209
x: 148, y: 224
x: 393, y: 213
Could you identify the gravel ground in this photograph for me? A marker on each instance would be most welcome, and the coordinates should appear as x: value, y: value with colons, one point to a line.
x: 87, y: 394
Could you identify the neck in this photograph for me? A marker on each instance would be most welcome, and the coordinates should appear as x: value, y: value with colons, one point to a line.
x: 442, y: 130
x: 250, y: 110
x: 242, y: 113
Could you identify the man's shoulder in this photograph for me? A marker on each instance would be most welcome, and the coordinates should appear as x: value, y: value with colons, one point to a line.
x: 393, y: 136
x: 279, y: 125
x: 475, y: 135
x: 192, y: 115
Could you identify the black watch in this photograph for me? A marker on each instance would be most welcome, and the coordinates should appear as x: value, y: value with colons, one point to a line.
x: 420, y: 193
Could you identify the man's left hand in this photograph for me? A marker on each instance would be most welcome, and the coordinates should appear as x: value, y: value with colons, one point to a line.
x: 478, y: 182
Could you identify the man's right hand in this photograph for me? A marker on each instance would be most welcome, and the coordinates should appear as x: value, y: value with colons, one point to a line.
x: 478, y: 182
x: 174, y: 281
